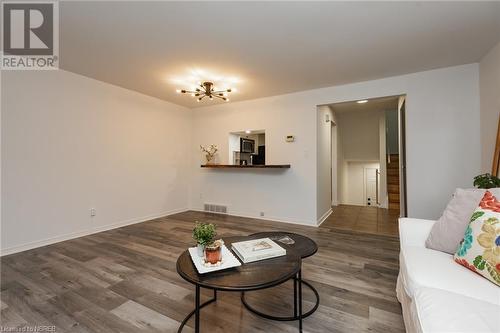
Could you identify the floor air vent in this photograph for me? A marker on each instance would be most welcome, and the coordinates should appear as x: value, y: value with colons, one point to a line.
x: 215, y: 208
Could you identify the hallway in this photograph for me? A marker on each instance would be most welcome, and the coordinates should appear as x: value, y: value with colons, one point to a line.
x: 371, y: 220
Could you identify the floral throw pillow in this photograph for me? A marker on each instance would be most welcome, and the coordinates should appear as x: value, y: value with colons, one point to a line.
x: 479, y: 250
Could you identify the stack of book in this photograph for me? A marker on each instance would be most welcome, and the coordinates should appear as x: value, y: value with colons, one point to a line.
x: 257, y: 249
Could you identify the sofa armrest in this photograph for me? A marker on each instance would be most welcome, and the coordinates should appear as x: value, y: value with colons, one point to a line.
x: 414, y: 232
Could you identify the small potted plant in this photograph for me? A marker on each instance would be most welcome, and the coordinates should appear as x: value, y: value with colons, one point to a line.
x: 204, y: 234
x: 210, y: 152
x: 486, y: 181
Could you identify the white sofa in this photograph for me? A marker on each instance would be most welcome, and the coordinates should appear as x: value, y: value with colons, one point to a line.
x: 437, y: 294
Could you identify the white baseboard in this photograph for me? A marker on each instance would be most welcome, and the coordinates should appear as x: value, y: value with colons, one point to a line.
x: 268, y: 218
x: 61, y: 238
x: 324, y: 217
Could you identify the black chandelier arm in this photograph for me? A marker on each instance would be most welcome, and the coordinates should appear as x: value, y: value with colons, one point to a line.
x: 221, y: 97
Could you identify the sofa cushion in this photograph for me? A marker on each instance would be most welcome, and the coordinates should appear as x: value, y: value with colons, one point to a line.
x: 448, y: 231
x: 421, y: 267
x: 414, y: 232
x: 443, y: 311
x: 479, y: 249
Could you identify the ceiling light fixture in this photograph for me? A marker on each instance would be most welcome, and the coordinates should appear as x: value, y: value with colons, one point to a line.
x: 362, y: 101
x: 248, y: 131
x: 207, y: 89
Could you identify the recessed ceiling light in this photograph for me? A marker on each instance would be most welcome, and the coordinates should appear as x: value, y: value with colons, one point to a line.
x: 248, y: 131
x: 362, y: 101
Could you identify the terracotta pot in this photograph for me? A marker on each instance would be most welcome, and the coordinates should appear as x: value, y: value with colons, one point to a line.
x: 213, y: 254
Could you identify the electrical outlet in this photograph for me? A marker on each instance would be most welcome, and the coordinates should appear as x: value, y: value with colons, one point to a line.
x: 92, y: 212
x: 261, y: 213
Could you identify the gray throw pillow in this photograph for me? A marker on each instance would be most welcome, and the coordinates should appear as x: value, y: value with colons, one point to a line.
x: 449, y: 230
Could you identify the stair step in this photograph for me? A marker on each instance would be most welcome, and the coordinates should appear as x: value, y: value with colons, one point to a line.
x: 393, y: 165
x: 393, y: 197
x: 394, y: 206
x: 394, y: 157
x: 392, y: 172
x: 393, y: 181
x: 393, y: 188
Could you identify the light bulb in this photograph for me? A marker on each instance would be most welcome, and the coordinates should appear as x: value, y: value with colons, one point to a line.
x: 178, y: 91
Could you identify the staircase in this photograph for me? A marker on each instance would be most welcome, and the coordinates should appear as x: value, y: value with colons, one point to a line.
x: 393, y: 181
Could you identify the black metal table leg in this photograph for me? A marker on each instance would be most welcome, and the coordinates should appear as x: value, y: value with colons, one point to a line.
x: 196, y: 310
x: 295, y: 296
x: 300, y: 301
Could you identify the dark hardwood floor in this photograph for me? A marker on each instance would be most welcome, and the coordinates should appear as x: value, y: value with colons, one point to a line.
x: 124, y: 280
x: 367, y: 219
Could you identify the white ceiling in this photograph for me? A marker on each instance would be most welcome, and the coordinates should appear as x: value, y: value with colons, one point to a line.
x: 268, y: 48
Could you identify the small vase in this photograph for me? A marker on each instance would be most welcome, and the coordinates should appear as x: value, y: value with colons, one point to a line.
x: 213, y: 254
x: 210, y: 159
x: 201, y: 250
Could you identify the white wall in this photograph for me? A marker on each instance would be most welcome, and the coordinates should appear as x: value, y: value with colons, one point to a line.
x: 359, y: 141
x: 324, y: 161
x: 442, y: 139
x: 489, y: 74
x: 70, y: 143
x: 359, y: 134
x: 382, y: 187
x: 356, y: 189
x: 233, y: 145
x: 284, y: 194
x: 402, y: 151
x: 392, y: 126
x: 335, y: 154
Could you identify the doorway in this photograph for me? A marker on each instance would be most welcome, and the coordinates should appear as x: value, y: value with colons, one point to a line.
x: 366, y: 163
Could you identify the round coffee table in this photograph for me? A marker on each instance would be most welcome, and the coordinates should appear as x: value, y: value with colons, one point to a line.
x: 304, y: 247
x: 247, y: 277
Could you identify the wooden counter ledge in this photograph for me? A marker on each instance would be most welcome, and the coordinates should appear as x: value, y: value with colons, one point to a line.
x: 230, y: 166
